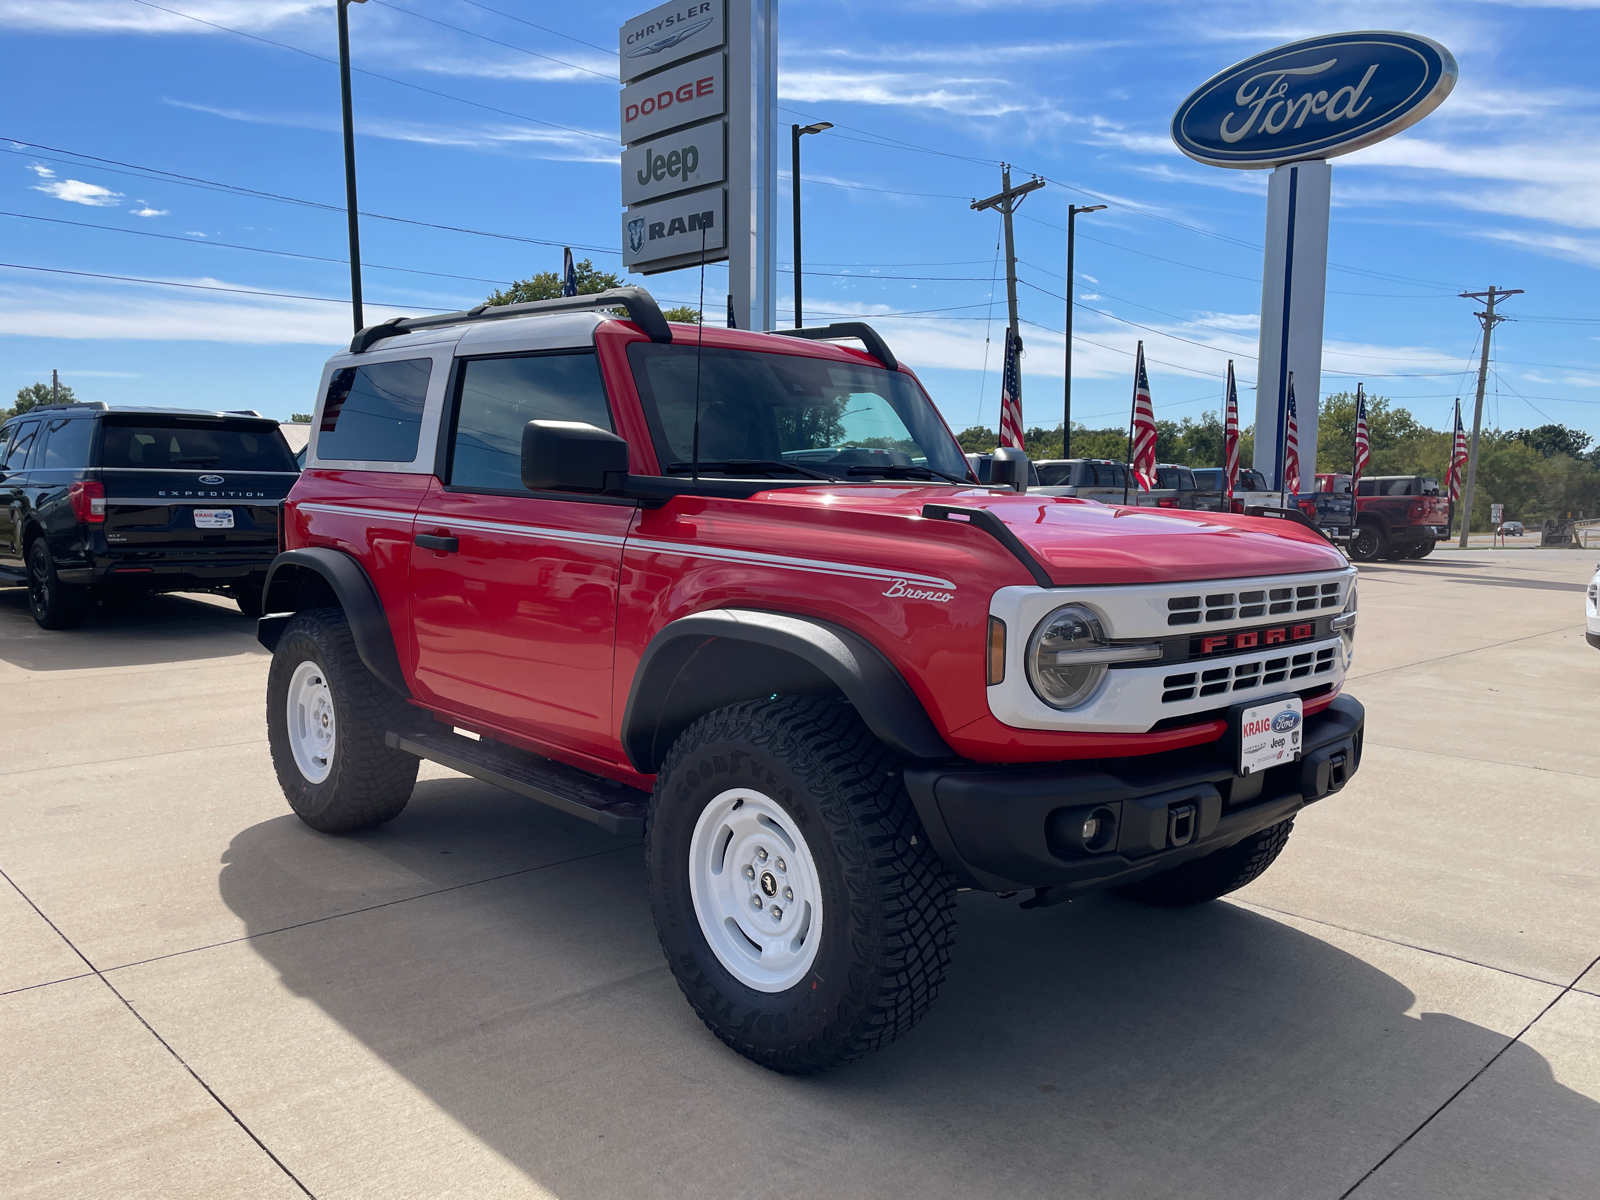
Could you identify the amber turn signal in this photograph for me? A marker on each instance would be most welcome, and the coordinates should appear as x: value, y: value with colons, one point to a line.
x: 997, y: 651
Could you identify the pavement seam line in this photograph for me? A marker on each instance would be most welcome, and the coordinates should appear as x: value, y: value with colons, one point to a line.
x: 100, y: 762
x: 46, y: 983
x: 1476, y: 1075
x: 1471, y: 962
x: 1468, y: 758
x: 1423, y: 662
x: 165, y: 1045
x: 455, y: 887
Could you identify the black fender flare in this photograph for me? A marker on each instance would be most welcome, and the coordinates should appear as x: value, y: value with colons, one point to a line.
x: 301, y: 579
x: 703, y: 662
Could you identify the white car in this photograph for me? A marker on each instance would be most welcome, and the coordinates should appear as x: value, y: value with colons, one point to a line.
x: 1591, y: 610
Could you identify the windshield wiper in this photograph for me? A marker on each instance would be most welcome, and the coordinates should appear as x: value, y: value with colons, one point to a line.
x: 902, y: 471
x: 762, y: 465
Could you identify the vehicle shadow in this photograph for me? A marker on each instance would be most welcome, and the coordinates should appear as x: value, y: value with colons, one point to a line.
x: 126, y: 631
x: 1098, y: 1049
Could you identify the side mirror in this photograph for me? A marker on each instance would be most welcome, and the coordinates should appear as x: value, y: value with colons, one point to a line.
x: 1009, y: 468
x: 570, y: 456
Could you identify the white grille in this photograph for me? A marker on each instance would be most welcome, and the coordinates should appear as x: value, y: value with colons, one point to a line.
x: 1238, y: 676
x: 1248, y: 605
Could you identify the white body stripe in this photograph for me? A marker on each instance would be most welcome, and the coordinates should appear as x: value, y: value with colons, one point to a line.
x: 351, y: 510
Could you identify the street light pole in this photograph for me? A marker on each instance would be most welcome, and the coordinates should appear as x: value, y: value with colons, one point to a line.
x: 796, y: 132
x: 350, y: 163
x: 1066, y: 419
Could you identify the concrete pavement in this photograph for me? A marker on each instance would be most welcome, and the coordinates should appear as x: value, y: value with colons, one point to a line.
x: 201, y: 997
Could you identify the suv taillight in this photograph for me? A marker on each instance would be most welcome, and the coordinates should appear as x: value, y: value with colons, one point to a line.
x: 88, y: 501
x: 1167, y: 502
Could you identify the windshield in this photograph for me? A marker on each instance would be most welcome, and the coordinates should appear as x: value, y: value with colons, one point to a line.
x: 189, y: 445
x: 1055, y: 474
x: 777, y: 414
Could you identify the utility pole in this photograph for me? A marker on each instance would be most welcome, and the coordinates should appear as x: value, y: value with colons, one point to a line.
x: 1006, y: 202
x: 1066, y: 405
x: 1490, y: 319
x: 55, y: 387
x: 350, y: 162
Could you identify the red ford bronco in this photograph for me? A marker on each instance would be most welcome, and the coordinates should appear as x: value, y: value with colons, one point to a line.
x: 737, y: 594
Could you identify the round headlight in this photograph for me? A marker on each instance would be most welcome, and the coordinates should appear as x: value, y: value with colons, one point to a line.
x: 1058, y: 679
x: 1347, y: 631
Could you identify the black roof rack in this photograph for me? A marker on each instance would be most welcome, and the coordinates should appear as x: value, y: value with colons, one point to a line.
x: 95, y: 405
x: 866, y: 334
x: 642, y: 309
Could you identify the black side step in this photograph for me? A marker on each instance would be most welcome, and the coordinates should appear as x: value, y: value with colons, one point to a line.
x: 616, y: 808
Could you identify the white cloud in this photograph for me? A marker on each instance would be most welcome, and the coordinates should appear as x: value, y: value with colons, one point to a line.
x: 521, y: 140
x: 147, y: 211
x: 42, y: 171
x: 75, y: 191
x: 194, y: 233
x: 581, y: 67
x: 1090, y: 278
x: 119, y: 16
x: 1556, y: 245
x: 966, y: 97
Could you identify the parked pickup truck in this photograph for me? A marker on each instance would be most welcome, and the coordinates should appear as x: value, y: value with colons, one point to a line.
x: 1397, y: 516
x: 737, y: 594
x: 1108, y: 481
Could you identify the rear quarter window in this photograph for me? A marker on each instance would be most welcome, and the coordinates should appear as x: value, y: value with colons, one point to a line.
x: 374, y: 412
x: 67, y: 444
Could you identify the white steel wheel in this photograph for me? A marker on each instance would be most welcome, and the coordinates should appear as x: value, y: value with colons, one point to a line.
x: 755, y: 890
x: 312, y: 726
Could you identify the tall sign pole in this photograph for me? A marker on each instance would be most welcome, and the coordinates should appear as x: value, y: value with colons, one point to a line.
x: 1291, y: 109
x: 1490, y: 319
x: 698, y: 118
x: 1066, y: 392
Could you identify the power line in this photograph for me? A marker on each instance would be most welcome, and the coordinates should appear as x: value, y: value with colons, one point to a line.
x: 157, y: 175
x: 188, y: 241
x: 485, y: 37
x: 543, y: 28
x: 203, y: 287
x: 504, y: 112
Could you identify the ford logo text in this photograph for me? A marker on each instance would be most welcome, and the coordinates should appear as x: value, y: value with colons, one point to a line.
x: 211, y: 479
x: 1285, y: 721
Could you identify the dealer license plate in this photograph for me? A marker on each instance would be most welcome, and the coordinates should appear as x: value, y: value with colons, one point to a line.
x: 1269, y: 734
x: 213, y: 518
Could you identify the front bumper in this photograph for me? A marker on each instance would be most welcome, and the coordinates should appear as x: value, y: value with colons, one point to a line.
x: 1007, y: 828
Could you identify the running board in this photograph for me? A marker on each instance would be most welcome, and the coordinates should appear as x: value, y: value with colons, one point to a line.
x: 614, y: 807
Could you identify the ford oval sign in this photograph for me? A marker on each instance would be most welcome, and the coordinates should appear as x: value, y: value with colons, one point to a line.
x: 1314, y: 99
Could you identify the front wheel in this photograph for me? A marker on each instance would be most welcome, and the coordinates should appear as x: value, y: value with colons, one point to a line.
x: 327, y: 716
x: 1217, y: 874
x: 1368, y: 544
x: 799, y: 905
x: 54, y: 605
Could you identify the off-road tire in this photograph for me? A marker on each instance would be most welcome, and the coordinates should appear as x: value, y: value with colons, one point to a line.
x: 888, y: 904
x: 248, y: 597
x: 54, y: 605
x: 1369, y: 544
x: 368, y: 783
x: 1216, y: 874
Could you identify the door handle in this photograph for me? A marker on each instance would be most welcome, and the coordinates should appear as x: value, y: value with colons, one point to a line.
x: 434, y: 541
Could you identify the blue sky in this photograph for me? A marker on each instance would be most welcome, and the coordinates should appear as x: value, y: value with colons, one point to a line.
x: 506, y: 124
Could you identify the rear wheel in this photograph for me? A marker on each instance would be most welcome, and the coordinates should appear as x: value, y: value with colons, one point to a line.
x: 326, y: 720
x: 1423, y: 548
x: 1368, y: 544
x: 54, y: 605
x: 800, y: 907
x: 1217, y: 874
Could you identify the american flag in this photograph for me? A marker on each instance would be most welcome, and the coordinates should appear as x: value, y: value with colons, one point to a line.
x: 1458, y: 459
x: 1291, y: 446
x: 1143, y: 460
x: 1011, y: 395
x: 1231, y: 434
x: 569, y: 273
x: 1363, y: 443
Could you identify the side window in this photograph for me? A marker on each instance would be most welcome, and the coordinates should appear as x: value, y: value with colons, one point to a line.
x: 374, y: 412
x: 1369, y: 487
x: 499, y: 396
x: 67, y: 444
x: 21, y: 443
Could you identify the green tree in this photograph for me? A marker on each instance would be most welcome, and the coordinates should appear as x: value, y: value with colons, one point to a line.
x: 299, y: 418
x: 1550, y: 440
x: 546, y: 285
x: 36, y: 394
x: 684, y: 313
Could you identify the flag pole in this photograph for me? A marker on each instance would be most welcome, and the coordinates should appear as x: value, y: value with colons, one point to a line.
x: 1133, y: 413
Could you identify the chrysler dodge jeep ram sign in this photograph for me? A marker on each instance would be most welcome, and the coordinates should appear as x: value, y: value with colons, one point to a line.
x: 687, y: 159
x: 1314, y: 99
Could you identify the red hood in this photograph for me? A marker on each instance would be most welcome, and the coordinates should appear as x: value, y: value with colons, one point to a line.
x: 1085, y: 542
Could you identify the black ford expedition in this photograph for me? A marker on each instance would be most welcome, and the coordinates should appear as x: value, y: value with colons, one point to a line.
x: 138, y: 499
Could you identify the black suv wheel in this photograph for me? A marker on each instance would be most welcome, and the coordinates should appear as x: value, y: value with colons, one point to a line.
x: 798, y: 902
x: 326, y: 720
x: 1368, y: 544
x: 54, y: 605
x: 1217, y: 874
